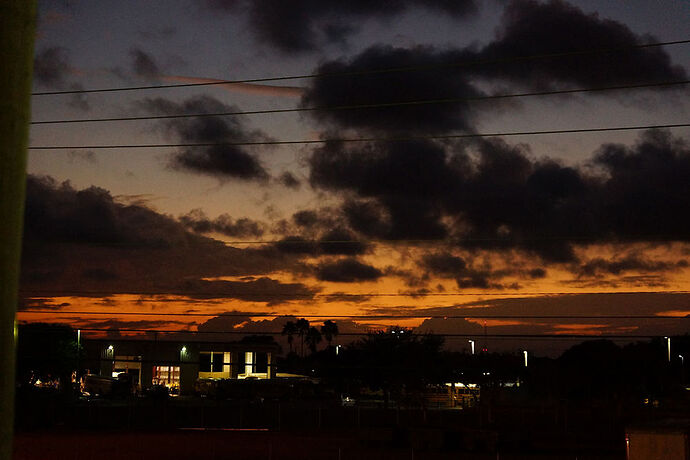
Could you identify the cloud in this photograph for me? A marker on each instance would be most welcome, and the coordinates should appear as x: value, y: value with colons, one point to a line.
x: 247, y: 88
x: 220, y: 161
x: 528, y: 28
x: 306, y: 218
x: 255, y: 290
x: 52, y: 67
x: 341, y: 241
x: 53, y: 70
x: 465, y: 275
x: 491, y: 195
x: 296, y: 245
x: 599, y: 266
x: 304, y: 25
x: 160, y: 33
x: 531, y: 28
x: 347, y: 271
x: 86, y: 243
x: 143, y: 64
x: 384, y: 88
x: 287, y: 179
x: 198, y: 222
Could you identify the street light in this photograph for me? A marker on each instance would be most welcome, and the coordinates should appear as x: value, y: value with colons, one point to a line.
x: 668, y: 348
x: 472, y: 345
x: 682, y: 374
x: 525, y: 353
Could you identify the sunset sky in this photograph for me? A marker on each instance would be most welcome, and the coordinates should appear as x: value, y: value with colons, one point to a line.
x: 404, y: 223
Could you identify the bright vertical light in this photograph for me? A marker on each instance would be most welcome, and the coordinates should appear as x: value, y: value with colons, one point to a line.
x: 525, y: 353
x: 472, y: 345
x: 668, y: 348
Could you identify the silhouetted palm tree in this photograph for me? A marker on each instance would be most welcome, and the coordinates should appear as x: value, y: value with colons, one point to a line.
x: 302, y: 329
x: 329, y: 330
x: 290, y: 329
x: 313, y: 337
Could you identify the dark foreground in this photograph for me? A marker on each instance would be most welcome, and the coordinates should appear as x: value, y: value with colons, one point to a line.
x: 216, y: 444
x: 193, y: 428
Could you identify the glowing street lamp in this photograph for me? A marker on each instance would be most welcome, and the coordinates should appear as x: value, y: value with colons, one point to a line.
x: 472, y: 345
x: 682, y: 373
x: 524, y: 352
x: 668, y: 348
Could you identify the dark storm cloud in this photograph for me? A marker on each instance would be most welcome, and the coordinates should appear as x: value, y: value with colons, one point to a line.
x: 306, y: 218
x: 444, y: 264
x: 385, y: 88
x: 647, y: 190
x: 221, y: 161
x: 341, y: 241
x: 303, y: 25
x: 406, y: 177
x: 533, y: 28
x: 296, y: 245
x: 466, y: 276
x: 99, y: 274
x: 257, y: 290
x: 289, y: 180
x: 492, y: 195
x: 52, y: 67
x: 57, y: 212
x: 347, y: 271
x: 85, y: 242
x: 630, y: 263
x: 197, y: 221
x: 39, y: 303
x: 528, y: 28
x: 144, y: 65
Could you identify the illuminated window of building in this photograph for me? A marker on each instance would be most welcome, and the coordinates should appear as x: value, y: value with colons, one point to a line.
x: 255, y: 364
x: 248, y: 362
x: 214, y: 364
x: 166, y: 375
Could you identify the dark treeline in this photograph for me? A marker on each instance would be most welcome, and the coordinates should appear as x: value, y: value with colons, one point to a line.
x: 401, y: 365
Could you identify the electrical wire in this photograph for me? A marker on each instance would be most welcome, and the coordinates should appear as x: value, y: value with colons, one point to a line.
x: 361, y: 139
x: 365, y: 106
x: 367, y: 72
x: 367, y: 333
x: 268, y: 295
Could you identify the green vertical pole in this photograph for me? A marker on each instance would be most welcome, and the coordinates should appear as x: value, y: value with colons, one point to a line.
x: 17, y: 27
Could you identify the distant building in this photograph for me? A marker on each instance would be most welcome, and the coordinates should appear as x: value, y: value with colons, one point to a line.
x: 177, y: 364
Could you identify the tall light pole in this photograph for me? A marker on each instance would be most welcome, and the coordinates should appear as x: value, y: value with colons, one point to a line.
x: 682, y: 374
x: 17, y: 30
x: 668, y: 348
x: 471, y: 345
x: 525, y: 353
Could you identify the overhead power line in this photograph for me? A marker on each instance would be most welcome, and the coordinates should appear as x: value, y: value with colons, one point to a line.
x: 360, y: 139
x: 368, y: 71
x: 309, y: 296
x: 365, y: 106
x: 371, y: 317
x: 359, y: 334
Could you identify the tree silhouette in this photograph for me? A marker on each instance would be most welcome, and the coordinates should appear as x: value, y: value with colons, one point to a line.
x: 302, y: 329
x: 290, y: 329
x: 329, y: 330
x: 313, y: 337
x: 47, y: 351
